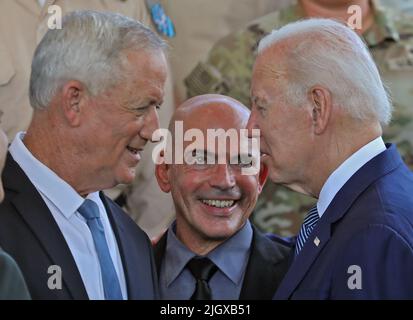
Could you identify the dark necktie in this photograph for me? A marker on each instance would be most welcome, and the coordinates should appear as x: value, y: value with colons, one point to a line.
x: 309, y: 223
x: 202, y: 269
x: 90, y: 211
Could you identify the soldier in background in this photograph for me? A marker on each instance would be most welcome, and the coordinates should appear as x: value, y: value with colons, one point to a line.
x: 200, y: 23
x: 402, y: 5
x: 388, y: 34
x: 22, y: 24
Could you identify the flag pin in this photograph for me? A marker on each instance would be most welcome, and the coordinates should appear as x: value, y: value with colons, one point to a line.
x: 316, y: 241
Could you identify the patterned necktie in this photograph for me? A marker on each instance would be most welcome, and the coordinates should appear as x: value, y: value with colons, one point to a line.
x: 202, y: 269
x: 309, y: 223
x: 90, y: 211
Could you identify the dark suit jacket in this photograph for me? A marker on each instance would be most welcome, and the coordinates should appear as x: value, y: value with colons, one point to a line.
x: 12, y: 285
x: 267, y: 264
x: 365, y: 239
x: 30, y: 234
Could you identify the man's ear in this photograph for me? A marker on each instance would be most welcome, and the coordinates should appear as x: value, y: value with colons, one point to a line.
x: 321, y: 108
x: 74, y: 95
x: 262, y: 177
x: 162, y: 173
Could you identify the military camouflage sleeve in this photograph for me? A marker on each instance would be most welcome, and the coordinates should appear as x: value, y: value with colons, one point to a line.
x: 229, y: 65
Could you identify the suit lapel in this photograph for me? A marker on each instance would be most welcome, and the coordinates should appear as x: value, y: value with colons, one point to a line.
x: 371, y: 171
x: 129, y: 261
x: 30, y: 205
x: 266, y: 267
x: 137, y: 275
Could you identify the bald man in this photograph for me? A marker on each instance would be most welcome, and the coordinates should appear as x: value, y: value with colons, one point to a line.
x: 212, y: 251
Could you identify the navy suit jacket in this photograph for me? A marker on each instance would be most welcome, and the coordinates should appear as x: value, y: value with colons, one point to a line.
x: 30, y: 234
x: 362, y: 247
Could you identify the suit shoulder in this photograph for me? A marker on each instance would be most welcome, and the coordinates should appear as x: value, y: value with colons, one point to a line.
x: 272, y: 246
x: 121, y: 216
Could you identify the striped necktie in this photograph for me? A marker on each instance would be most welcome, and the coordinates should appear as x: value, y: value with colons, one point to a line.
x: 309, y: 223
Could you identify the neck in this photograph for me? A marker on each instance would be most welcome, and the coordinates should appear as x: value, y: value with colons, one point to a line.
x: 199, y: 246
x: 339, y: 10
x: 47, y: 145
x: 338, y: 150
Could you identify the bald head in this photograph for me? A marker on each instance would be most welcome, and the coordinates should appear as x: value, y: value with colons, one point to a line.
x: 211, y: 111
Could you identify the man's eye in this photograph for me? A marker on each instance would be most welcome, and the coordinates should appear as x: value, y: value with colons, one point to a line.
x: 200, y: 159
x: 246, y: 164
x: 260, y: 108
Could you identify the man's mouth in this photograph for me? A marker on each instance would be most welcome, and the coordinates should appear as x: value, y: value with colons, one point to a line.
x: 219, y: 203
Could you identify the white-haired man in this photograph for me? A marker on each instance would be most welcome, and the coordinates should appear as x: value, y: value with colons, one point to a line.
x: 320, y: 105
x: 95, y: 86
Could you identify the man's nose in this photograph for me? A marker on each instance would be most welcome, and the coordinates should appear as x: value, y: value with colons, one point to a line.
x: 151, y: 123
x: 222, y: 177
x: 252, y: 124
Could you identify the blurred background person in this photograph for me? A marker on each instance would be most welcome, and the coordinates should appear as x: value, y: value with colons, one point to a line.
x: 12, y: 284
x: 200, y: 23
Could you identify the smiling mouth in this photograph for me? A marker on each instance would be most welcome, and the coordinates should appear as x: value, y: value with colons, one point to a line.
x: 219, y: 203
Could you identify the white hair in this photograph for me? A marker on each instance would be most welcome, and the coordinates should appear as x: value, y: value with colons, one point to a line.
x: 89, y: 48
x: 330, y: 54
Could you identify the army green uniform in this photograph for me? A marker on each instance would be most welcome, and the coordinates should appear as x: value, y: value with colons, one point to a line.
x: 228, y: 71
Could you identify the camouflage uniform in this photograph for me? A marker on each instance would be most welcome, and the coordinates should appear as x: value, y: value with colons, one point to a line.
x: 228, y: 71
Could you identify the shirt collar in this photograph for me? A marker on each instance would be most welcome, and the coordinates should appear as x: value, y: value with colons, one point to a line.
x: 48, y: 183
x: 346, y: 170
x: 227, y: 256
x: 230, y: 257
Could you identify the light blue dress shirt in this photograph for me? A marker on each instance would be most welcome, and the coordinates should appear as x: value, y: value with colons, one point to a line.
x: 63, y: 202
x: 346, y: 170
x: 231, y: 257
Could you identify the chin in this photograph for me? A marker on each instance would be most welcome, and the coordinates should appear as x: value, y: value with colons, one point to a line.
x: 126, y: 177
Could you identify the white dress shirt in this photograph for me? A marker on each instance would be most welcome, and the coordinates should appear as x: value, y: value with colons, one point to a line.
x: 63, y: 202
x: 346, y: 170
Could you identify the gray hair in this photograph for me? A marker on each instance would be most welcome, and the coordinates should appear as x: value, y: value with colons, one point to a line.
x: 330, y: 54
x: 88, y: 48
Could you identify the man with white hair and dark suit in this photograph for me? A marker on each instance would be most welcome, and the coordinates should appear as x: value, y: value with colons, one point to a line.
x: 95, y: 88
x: 320, y: 105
